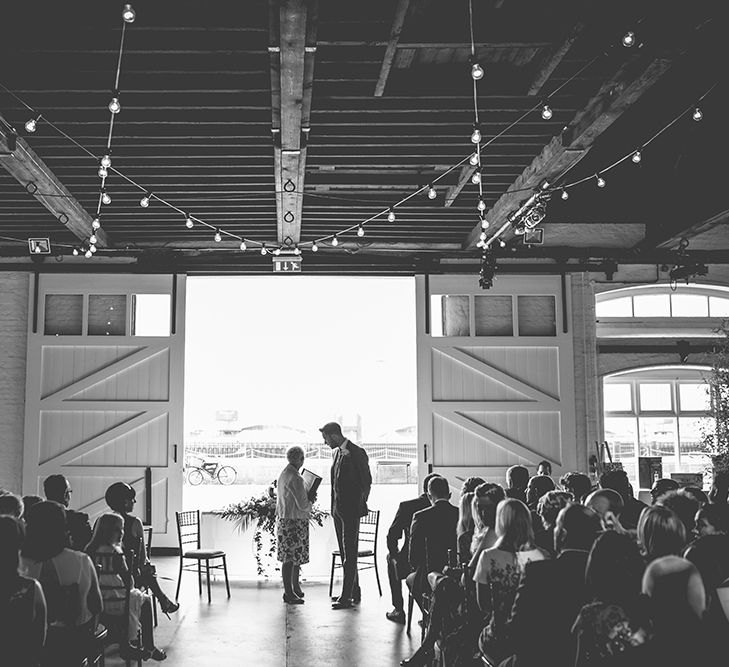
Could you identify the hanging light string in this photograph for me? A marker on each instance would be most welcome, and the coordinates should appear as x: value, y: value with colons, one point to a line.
x: 476, y: 75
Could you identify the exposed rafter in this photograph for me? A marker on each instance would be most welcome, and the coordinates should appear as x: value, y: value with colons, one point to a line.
x: 398, y: 21
x: 293, y: 46
x: 551, y: 61
x: 563, y: 152
x: 690, y: 232
x: 24, y: 165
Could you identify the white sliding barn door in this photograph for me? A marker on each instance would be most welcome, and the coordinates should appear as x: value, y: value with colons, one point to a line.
x: 495, y: 376
x: 104, y: 395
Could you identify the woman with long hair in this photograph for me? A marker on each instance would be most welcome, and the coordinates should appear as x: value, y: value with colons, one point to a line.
x: 121, y: 497
x: 499, y: 570
x: 105, y: 550
x: 660, y: 533
x: 465, y: 527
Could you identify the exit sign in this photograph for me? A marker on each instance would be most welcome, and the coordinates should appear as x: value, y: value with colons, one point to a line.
x: 287, y: 264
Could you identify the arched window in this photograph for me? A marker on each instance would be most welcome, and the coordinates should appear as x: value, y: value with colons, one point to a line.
x: 658, y: 411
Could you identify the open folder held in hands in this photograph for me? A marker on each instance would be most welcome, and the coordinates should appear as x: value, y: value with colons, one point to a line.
x: 311, y: 481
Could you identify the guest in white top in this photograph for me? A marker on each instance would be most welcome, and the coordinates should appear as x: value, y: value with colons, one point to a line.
x: 293, y: 508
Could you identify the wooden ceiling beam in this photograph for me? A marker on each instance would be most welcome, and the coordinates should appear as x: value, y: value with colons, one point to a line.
x: 401, y: 10
x: 551, y: 61
x: 26, y: 167
x: 564, y: 151
x: 721, y: 218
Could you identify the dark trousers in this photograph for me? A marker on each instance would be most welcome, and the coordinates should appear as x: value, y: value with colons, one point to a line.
x: 347, y: 528
x: 395, y: 580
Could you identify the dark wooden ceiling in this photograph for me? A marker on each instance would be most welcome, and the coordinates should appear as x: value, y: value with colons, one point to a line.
x: 196, y: 120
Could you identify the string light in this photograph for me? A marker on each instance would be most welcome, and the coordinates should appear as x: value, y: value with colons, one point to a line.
x: 115, y: 105
x: 485, y: 224
x: 502, y: 243
x: 628, y: 39
x: 263, y: 249
x: 482, y: 236
x: 476, y: 134
x: 432, y: 194
x: 31, y: 124
x: 477, y: 72
x: 335, y: 241
x: 637, y: 157
x: 360, y: 231
x: 128, y: 14
x: 105, y: 197
x: 217, y: 236
x: 92, y: 248
x: 297, y: 250
x: 481, y: 206
x: 473, y: 160
x: 390, y: 216
x: 106, y: 161
x: 103, y: 173
x: 92, y: 239
x: 600, y: 181
x: 75, y: 252
x: 314, y: 247
x: 188, y: 222
x: 697, y: 115
x: 88, y: 254
x: 565, y: 194
x: 476, y: 178
x: 243, y: 245
x: 144, y: 201
x: 277, y: 252
x: 546, y: 111
x: 96, y: 224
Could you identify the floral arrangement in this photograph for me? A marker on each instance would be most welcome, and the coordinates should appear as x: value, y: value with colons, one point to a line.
x: 260, y: 511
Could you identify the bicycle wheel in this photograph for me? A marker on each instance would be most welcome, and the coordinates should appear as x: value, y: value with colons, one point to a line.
x: 195, y: 477
x: 227, y: 475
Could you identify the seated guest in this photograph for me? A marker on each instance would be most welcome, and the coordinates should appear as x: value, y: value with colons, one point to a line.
x: 711, y: 520
x: 684, y: 506
x: 486, y: 499
x: 432, y: 534
x: 616, y: 620
x: 517, y: 478
x: 544, y: 468
x: 576, y: 483
x: 609, y: 505
x: 107, y: 539
x: 28, y: 502
x: 550, y: 505
x: 661, y: 486
x: 57, y: 488
x: 536, y: 488
x: 61, y: 572
x: 660, y: 533
x: 465, y: 527
x: 22, y: 605
x: 677, y: 605
x: 470, y: 484
x: 121, y: 497
x: 398, y: 564
x: 719, y: 488
x: 499, y: 570
x: 617, y: 480
x: 552, y: 592
x: 697, y: 494
x: 11, y: 505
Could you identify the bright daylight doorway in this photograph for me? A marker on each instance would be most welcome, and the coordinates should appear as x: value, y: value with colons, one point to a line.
x: 268, y: 360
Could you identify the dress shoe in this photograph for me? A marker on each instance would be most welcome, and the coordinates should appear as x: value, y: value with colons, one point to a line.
x: 396, y: 616
x: 342, y: 604
x: 300, y: 594
x: 292, y: 599
x: 417, y: 659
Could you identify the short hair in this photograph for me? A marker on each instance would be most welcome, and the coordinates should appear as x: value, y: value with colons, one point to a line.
x: 427, y: 479
x: 550, y: 505
x: 661, y: 486
x: 536, y: 488
x: 597, y: 499
x: 617, y: 480
x: 46, y: 534
x: 117, y: 495
x: 675, y: 586
x: 546, y: 464
x: 471, y: 483
x: 12, y: 535
x: 54, y: 486
x: 294, y: 453
x: 684, y: 505
x: 614, y: 569
x: 660, y: 532
x: 331, y: 428
x: 11, y: 504
x: 577, y: 483
x: 514, y: 525
x: 517, y: 477
x: 29, y: 501
x: 696, y: 492
x: 486, y: 499
x: 438, y: 487
x: 465, y: 513
x: 578, y: 526
x: 716, y: 515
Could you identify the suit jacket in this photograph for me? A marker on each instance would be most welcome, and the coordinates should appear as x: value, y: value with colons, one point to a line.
x: 432, y: 533
x: 79, y: 529
x: 549, y: 597
x: 401, y: 525
x: 351, y: 481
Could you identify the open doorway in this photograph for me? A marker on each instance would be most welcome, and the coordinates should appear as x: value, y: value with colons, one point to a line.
x: 268, y: 360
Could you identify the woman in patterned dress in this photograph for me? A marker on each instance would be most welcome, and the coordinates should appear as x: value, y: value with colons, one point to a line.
x: 293, y: 508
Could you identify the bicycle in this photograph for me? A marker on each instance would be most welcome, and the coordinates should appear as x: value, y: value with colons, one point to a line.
x: 225, y: 475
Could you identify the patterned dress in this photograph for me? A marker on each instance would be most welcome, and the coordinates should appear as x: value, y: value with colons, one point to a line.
x: 292, y: 518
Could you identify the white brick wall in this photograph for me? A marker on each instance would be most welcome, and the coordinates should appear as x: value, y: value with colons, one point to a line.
x: 13, y: 339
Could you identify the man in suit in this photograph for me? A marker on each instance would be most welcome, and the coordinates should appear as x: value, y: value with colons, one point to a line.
x: 57, y: 488
x: 617, y: 480
x: 552, y: 592
x: 432, y: 534
x: 398, y: 564
x: 351, y: 482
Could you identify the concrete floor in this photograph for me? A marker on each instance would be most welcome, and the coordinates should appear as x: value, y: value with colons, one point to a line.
x: 255, y: 627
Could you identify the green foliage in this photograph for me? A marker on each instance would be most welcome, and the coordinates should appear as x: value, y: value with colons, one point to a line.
x: 716, y: 437
x: 260, y: 512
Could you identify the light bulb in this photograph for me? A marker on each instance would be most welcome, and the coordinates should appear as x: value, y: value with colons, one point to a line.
x: 476, y: 135
x: 243, y: 245
x: 502, y: 243
x: 115, y: 105
x: 75, y: 252
x: 92, y: 248
x: 473, y: 160
x: 481, y: 206
x: 106, y: 161
x: 637, y: 157
x: 217, y: 236
x: 88, y: 254
x: 476, y: 72
x: 697, y: 115
x: 485, y: 224
x: 600, y: 182
x: 565, y: 194
x: 314, y: 247
x: 391, y: 215
x: 277, y: 252
x: 263, y: 249
x: 432, y: 194
x: 103, y: 173
x: 30, y: 125
x: 106, y: 198
x: 297, y: 250
x: 360, y: 231
x: 92, y: 238
x: 629, y: 39
x: 144, y: 201
x: 476, y: 178
x: 96, y: 223
x: 128, y: 14
x: 546, y: 112
x: 335, y: 241
x: 188, y: 222
x: 482, y: 236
